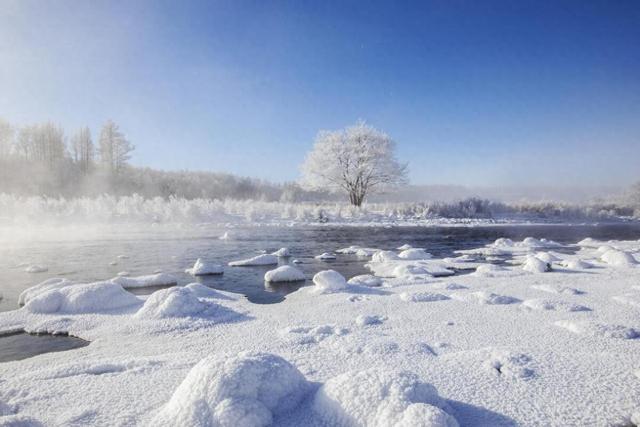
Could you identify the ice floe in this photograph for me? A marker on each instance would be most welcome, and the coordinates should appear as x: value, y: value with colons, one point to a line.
x: 284, y: 273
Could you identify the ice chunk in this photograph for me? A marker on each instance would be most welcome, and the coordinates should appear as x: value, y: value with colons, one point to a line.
x: 82, y: 298
x: 263, y: 259
x: 380, y: 398
x: 248, y: 390
x: 34, y: 268
x: 404, y: 247
x: 325, y: 256
x: 383, y: 256
x: 535, y: 265
x: 328, y: 281
x: 284, y: 273
x: 414, y: 254
x: 204, y: 268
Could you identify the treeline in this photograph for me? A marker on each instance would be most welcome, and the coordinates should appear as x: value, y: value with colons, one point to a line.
x: 43, y: 159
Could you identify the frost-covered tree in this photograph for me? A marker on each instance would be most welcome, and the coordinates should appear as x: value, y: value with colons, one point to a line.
x: 6, y: 139
x: 358, y: 160
x: 114, y: 148
x: 83, y: 149
x: 44, y: 143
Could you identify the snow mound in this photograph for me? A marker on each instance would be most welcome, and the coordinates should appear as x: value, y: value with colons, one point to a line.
x: 328, y: 281
x: 36, y: 269
x: 491, y: 270
x: 422, y: 297
x: 325, y: 256
x: 404, y: 247
x: 629, y: 299
x: 512, y: 365
x: 414, y: 254
x: 203, y: 268
x: 548, y: 257
x: 282, y: 252
x: 263, y: 259
x: 47, y: 285
x: 545, y: 304
x: 618, y: 258
x: 404, y: 270
x: 202, y: 291
x: 449, y: 286
x: 365, y: 252
x: 384, y: 256
x: 351, y: 250
x: 589, y: 243
x: 172, y: 302
x: 532, y: 242
x: 364, y: 320
x: 503, y: 241
x: 557, y: 289
x: 284, y: 273
x: 249, y: 390
x: 313, y: 335
x: 534, y: 264
x: 490, y: 298
x: 82, y: 298
x: 380, y: 398
x: 586, y: 327
x: 576, y: 264
x: 158, y: 279
x: 366, y: 280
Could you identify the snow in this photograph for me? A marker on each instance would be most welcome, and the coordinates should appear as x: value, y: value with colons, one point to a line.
x: 81, y: 298
x: 263, y: 259
x: 247, y: 390
x: 366, y: 280
x: 329, y: 281
x: 326, y: 256
x: 284, y: 273
x: 282, y: 252
x: 157, y: 279
x: 204, y: 268
x: 498, y: 348
x: 576, y: 264
x: 404, y: 247
x: 383, y: 256
x: 380, y: 398
x: 414, y: 254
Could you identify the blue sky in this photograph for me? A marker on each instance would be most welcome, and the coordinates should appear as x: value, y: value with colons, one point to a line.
x: 475, y: 93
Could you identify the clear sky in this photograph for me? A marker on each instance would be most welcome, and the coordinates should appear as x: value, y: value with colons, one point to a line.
x: 474, y: 92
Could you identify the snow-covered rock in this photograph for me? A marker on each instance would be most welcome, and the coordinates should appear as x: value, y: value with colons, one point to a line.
x: 366, y: 280
x: 282, y: 252
x: 172, y: 302
x: 380, y: 398
x: 263, y: 259
x: 326, y: 256
x: 414, y: 254
x: 533, y: 264
x: 284, y: 273
x: 329, y: 281
x: 204, y: 268
x: 248, y: 390
x: 82, y: 298
x: 158, y: 279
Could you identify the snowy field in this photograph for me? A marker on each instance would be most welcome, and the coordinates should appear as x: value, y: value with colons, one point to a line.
x: 549, y: 338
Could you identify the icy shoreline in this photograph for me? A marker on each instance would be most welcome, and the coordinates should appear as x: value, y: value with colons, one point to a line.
x: 506, y: 345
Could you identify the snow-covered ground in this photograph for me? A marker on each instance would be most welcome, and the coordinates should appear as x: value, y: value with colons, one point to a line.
x: 508, y: 344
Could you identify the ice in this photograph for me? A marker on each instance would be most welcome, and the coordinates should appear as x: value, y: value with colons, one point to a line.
x: 381, y: 398
x: 366, y: 280
x: 284, y: 273
x: 533, y: 264
x: 81, y: 298
x: 404, y: 247
x: 326, y: 256
x: 247, y: 390
x: 157, y: 279
x: 414, y: 254
x: 34, y: 268
x: 358, y: 251
x: 282, y: 252
x: 204, y: 268
x: 329, y: 281
x: 263, y: 259
x: 384, y: 256
x: 173, y: 302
